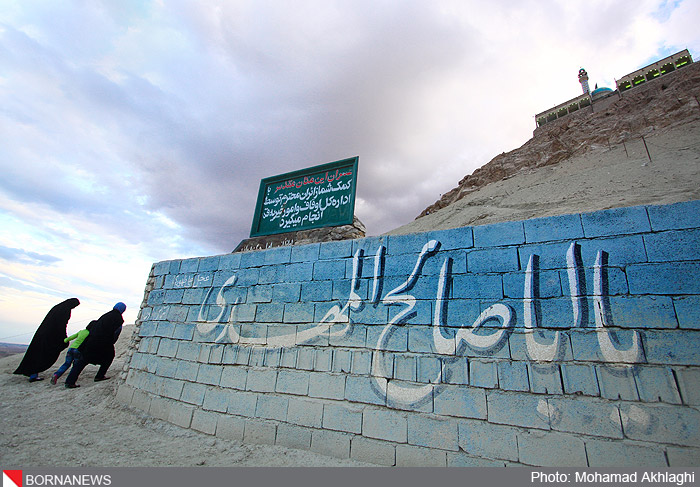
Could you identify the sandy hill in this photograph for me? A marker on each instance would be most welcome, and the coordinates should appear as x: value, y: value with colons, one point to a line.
x: 643, y: 149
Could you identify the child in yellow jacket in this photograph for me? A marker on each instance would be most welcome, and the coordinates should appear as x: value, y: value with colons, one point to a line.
x: 72, y: 354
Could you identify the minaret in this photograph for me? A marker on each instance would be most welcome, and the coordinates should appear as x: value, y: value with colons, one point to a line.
x: 583, y: 79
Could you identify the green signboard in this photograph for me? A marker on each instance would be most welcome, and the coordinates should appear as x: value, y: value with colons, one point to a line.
x: 315, y: 197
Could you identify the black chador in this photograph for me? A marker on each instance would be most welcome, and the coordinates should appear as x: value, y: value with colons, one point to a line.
x: 47, y: 343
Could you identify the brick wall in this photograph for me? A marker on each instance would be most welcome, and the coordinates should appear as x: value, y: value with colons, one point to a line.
x: 563, y: 341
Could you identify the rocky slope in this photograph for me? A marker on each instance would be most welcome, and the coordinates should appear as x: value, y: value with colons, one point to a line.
x: 649, y: 124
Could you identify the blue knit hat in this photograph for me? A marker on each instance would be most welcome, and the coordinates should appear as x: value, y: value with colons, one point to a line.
x: 121, y: 307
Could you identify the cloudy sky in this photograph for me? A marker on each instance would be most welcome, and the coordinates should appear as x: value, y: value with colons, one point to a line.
x: 135, y: 131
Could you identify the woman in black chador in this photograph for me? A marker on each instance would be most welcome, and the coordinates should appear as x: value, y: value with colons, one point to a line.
x: 98, y: 347
x: 47, y: 342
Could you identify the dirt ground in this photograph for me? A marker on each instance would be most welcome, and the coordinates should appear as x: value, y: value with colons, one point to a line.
x: 44, y: 425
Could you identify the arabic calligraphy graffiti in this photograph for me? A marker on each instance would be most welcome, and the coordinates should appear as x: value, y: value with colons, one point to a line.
x: 447, y: 342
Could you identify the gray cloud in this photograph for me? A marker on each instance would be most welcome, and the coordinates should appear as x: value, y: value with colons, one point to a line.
x: 27, y: 257
x: 120, y: 113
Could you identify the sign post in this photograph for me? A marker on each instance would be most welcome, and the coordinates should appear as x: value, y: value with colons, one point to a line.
x: 315, y: 197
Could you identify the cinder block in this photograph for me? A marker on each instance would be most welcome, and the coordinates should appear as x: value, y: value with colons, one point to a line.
x: 173, y: 296
x: 188, y: 351
x: 230, y: 427
x: 499, y: 234
x: 618, y: 251
x: 365, y: 390
x: 517, y: 409
x: 269, y: 313
x: 456, y: 371
x: 406, y: 244
x: 315, y: 291
x: 331, y: 443
x: 162, y: 268
x: 384, y: 424
x: 673, y: 245
x: 429, y: 370
x: 656, y: 384
x: 340, y: 417
x: 183, y: 331
x: 167, y: 347
x: 498, y: 259
x: 234, y: 377
x: 682, y: 456
x: 298, y: 272
x: 483, y: 374
x: 229, y: 261
x: 305, y: 358
x: 293, y: 382
x: 617, y: 382
x: 561, y: 227
x: 545, y: 378
x: 328, y: 270
x: 512, y: 376
x: 361, y: 362
x: 189, y: 265
x: 678, y: 425
x: 604, y: 453
x: 373, y: 451
x: 259, y: 432
x: 323, y: 360
x: 482, y: 439
x: 579, y: 379
x: 432, y: 432
x: 160, y: 408
x: 242, y: 404
x: 291, y: 436
x: 328, y: 386
x: 167, y: 367
x: 396, y: 340
x: 287, y: 292
x: 181, y: 414
x: 586, y: 416
x: 675, y: 216
x: 289, y: 358
x: 335, y: 250
x: 616, y: 221
x: 453, y: 239
x: 483, y: 286
x: 298, y: 313
x: 216, y: 399
x: 547, y: 282
x: 342, y: 335
x: 688, y: 311
x: 204, y: 421
x: 463, y: 460
x: 193, y: 393
x: 664, y: 278
x: 305, y: 413
x: 550, y: 449
x: 272, y: 407
x: 210, y: 374
x: 413, y: 456
x: 688, y: 380
x: 405, y: 367
x: 305, y: 253
x: 672, y: 347
x: 342, y: 361
x: 460, y: 401
x: 643, y: 312
x: 187, y: 370
x: 261, y: 380
x: 171, y: 388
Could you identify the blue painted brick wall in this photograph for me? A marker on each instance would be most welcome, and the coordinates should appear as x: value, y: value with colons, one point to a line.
x: 278, y: 339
